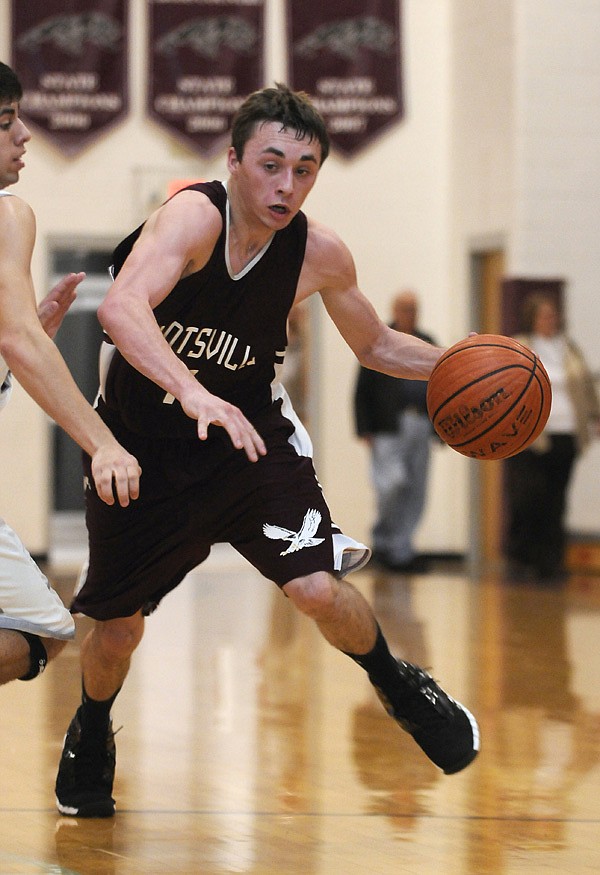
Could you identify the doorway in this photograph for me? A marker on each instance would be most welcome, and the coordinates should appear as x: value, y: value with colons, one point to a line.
x: 78, y: 340
x: 496, y: 304
x: 487, y: 272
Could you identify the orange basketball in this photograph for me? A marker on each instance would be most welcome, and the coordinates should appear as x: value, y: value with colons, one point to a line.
x: 489, y: 397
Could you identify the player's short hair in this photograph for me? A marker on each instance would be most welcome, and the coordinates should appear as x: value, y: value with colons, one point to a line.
x: 292, y: 109
x: 11, y: 90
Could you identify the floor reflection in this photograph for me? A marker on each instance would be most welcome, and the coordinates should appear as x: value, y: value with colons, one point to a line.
x: 539, y: 712
x: 388, y: 765
x: 250, y: 745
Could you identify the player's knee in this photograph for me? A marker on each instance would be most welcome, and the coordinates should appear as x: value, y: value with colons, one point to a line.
x: 38, y: 655
x: 314, y: 595
x: 117, y: 639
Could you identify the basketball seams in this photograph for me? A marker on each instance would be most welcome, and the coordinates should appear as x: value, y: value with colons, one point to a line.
x: 538, y: 372
x: 527, y: 438
x: 478, y: 341
x: 493, y: 425
x: 466, y: 386
x: 463, y: 346
x: 523, y: 420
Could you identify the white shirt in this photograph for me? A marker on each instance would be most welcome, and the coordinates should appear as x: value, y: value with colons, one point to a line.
x: 552, y: 351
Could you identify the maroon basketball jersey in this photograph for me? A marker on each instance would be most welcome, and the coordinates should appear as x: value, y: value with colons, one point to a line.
x: 230, y: 331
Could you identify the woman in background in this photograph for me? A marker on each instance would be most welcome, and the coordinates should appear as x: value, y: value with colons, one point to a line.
x: 538, y: 478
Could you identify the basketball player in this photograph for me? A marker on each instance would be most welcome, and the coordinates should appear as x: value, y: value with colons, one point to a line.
x: 197, y: 315
x: 34, y: 624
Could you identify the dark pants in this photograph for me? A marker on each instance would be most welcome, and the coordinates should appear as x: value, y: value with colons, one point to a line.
x: 537, y: 488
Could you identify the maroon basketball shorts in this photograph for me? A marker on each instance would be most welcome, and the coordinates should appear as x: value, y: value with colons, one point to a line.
x: 195, y: 494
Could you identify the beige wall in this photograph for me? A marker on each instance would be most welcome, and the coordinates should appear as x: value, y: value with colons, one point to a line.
x: 411, y: 207
x: 557, y: 182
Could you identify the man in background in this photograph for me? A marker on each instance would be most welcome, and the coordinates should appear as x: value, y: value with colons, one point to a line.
x: 391, y: 416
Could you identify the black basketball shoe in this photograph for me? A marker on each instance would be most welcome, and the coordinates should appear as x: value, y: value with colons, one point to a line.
x: 442, y: 728
x: 86, y: 772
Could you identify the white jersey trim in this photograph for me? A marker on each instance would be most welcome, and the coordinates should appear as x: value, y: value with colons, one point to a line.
x: 348, y: 555
x: 257, y: 257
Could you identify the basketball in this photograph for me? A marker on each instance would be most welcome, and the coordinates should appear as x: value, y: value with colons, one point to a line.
x: 488, y: 397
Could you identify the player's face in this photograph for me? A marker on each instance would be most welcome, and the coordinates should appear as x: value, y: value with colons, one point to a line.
x: 276, y: 173
x: 13, y: 136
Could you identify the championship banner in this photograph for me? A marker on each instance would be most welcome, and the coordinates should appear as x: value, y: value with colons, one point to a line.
x: 205, y: 58
x: 347, y: 55
x: 71, y: 58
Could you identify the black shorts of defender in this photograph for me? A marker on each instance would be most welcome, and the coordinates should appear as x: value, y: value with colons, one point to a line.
x: 193, y: 495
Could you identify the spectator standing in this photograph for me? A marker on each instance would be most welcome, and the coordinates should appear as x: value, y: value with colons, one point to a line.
x: 391, y: 416
x: 538, y: 478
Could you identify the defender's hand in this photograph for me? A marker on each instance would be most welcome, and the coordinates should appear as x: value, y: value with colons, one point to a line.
x: 116, y: 470
x: 52, y: 309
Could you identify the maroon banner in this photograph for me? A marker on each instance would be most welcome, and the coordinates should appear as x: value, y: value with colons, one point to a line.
x: 205, y: 58
x: 71, y: 57
x: 347, y: 55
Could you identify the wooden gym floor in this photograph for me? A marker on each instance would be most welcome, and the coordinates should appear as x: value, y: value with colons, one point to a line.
x: 250, y: 746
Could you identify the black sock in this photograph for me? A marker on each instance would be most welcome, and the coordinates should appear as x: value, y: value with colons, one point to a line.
x: 95, y: 715
x: 379, y: 664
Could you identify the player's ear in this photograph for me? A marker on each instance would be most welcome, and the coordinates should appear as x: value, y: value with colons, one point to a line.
x: 232, y: 159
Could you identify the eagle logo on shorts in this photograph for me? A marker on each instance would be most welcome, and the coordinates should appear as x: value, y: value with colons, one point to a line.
x: 298, y: 540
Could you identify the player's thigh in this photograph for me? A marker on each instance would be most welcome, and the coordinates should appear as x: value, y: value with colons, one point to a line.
x: 287, y: 528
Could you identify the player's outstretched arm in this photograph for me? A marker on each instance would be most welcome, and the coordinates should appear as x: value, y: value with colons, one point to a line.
x: 53, y: 308
x: 177, y: 240
x: 329, y: 268
x: 38, y: 365
x: 115, y: 471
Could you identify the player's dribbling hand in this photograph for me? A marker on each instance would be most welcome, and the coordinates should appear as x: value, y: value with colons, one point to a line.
x: 115, y: 471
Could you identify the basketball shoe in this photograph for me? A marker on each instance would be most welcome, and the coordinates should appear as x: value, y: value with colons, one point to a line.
x: 442, y: 728
x: 86, y: 772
